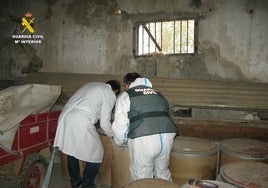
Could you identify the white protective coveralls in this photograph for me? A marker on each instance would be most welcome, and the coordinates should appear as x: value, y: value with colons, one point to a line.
x: 149, y: 155
x: 76, y: 134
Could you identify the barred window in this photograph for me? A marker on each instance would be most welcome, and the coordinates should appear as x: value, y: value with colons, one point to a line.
x: 166, y: 37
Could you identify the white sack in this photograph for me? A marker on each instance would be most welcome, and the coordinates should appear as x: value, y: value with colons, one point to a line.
x: 17, y: 102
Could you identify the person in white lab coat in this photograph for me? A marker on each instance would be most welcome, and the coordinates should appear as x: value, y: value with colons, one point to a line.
x: 142, y: 118
x: 76, y: 135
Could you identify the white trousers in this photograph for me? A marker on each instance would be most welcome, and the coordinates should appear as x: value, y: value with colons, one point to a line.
x: 150, y: 156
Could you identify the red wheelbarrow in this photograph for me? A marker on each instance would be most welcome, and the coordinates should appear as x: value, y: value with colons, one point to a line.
x: 26, y: 163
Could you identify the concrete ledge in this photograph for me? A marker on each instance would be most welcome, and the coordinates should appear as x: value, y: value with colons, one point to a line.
x: 220, y: 129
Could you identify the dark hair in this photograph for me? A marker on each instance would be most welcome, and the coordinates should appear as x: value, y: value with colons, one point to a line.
x: 115, y: 85
x: 131, y: 77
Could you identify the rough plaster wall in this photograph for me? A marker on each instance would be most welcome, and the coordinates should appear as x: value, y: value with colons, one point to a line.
x: 81, y: 36
x: 84, y: 36
x: 17, y: 59
x: 13, y: 65
x: 120, y: 46
x: 89, y: 39
x: 152, y: 6
x: 232, y: 41
x: 218, y: 66
x: 185, y: 67
x: 234, y: 47
x: 81, y: 41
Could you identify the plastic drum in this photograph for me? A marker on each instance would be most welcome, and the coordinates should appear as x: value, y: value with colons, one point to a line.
x: 243, y: 149
x: 245, y: 174
x: 193, y: 158
x: 104, y: 176
x: 120, y: 166
x: 152, y: 183
x: 220, y: 184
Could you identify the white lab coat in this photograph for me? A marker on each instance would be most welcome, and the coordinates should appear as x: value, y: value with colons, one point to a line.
x: 149, y: 155
x: 76, y: 134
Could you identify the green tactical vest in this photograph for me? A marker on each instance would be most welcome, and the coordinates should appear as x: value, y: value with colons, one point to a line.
x: 149, y: 113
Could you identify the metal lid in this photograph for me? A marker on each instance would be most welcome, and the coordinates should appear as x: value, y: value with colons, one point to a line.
x: 153, y: 183
x: 220, y: 184
x: 245, y: 146
x: 244, y: 174
x: 194, y: 145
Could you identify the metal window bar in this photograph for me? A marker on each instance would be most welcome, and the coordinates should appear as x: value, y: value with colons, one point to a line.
x: 180, y: 36
x: 155, y: 39
x: 187, y: 36
x: 174, y: 42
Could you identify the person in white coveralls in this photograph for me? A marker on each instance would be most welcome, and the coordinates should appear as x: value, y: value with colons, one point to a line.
x: 76, y: 135
x: 141, y: 118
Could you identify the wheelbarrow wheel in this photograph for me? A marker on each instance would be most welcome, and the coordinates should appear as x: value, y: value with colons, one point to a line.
x: 33, y: 171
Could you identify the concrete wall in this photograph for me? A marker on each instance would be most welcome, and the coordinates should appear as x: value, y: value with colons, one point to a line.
x: 85, y: 36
